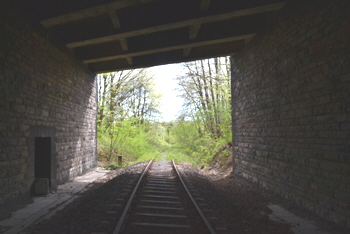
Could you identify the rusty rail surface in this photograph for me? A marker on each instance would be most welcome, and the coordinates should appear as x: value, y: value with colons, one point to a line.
x: 161, y: 201
x: 205, y: 220
x: 127, y: 207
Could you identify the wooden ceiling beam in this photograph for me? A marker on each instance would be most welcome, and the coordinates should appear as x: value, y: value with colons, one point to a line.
x: 112, y: 67
x: 123, y: 41
x: 129, y: 60
x: 194, y: 29
x: 115, y: 19
x: 204, y: 5
x: 187, y: 51
x: 124, y: 44
x: 170, y: 48
x: 117, y: 25
x: 186, y: 23
x: 91, y: 12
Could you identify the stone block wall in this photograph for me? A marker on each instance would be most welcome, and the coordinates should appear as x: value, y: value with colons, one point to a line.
x: 291, y: 108
x: 44, y: 92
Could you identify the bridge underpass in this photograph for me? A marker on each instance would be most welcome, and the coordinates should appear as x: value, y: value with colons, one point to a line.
x: 290, y: 86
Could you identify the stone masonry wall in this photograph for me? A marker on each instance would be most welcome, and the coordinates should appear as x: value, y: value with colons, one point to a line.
x: 44, y: 92
x: 291, y: 108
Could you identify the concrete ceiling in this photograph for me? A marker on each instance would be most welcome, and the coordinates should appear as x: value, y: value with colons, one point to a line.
x: 110, y: 35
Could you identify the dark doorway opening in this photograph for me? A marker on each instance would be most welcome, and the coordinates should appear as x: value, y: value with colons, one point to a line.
x: 42, y: 158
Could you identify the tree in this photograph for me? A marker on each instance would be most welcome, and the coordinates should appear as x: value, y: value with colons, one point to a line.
x: 127, y: 105
x: 126, y: 94
x: 206, y: 91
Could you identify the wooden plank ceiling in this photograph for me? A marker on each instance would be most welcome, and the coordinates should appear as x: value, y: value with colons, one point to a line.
x: 111, y: 35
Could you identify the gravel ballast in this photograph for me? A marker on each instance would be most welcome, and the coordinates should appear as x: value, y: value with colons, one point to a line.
x: 239, y: 206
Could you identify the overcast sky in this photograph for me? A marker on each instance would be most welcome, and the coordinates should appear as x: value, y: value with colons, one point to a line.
x: 165, y: 84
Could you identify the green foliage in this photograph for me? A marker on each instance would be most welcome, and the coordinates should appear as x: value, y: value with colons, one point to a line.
x: 110, y: 167
x: 127, y: 106
x: 179, y: 156
x: 186, y: 135
x: 206, y: 92
x: 205, y: 125
x: 133, y: 141
x: 189, y: 145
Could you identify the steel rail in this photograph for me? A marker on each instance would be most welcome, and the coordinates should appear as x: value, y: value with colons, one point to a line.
x: 210, y: 228
x: 126, y: 209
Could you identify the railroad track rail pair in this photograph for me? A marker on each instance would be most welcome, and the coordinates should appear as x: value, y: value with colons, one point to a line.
x: 162, y: 203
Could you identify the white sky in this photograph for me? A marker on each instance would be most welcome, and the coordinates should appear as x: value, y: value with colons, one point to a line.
x: 165, y: 84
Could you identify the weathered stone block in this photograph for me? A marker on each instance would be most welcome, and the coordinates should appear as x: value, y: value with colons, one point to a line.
x: 292, y: 92
x: 44, y: 87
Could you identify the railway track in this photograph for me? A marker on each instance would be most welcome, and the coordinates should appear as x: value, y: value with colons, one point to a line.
x: 161, y: 203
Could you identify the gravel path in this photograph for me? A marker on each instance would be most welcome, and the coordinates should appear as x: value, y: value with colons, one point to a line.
x: 240, y: 206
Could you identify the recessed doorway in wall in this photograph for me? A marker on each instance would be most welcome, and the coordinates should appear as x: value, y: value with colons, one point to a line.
x: 42, y: 158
